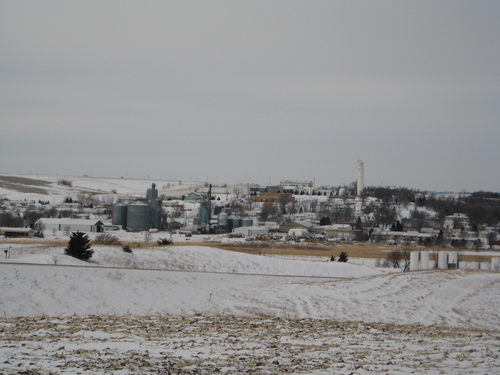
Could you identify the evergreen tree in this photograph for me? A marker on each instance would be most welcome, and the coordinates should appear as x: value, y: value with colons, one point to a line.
x: 343, y: 257
x: 79, y: 246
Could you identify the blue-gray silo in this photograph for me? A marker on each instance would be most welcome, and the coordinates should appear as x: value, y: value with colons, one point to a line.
x: 234, y: 222
x: 138, y: 216
x: 119, y: 216
x: 246, y: 222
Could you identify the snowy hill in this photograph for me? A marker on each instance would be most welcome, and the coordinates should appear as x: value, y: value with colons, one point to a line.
x: 449, y: 298
x: 15, y: 186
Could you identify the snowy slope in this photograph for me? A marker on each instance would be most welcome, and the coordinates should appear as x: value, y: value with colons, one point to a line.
x: 454, y: 298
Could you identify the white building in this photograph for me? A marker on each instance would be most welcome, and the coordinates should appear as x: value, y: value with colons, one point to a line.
x: 69, y: 225
x: 251, y: 231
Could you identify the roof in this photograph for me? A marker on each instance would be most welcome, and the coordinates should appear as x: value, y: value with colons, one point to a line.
x: 71, y: 221
x: 15, y: 229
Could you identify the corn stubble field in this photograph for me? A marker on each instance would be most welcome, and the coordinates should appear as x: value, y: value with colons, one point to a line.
x: 237, y: 345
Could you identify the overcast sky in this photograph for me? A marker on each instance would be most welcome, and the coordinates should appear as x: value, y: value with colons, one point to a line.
x: 254, y: 91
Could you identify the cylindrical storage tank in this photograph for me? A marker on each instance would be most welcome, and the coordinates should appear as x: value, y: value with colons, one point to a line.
x: 442, y: 260
x: 485, y: 266
x: 414, y: 255
x: 138, y: 216
x: 235, y: 221
x: 495, y: 264
x: 246, y: 222
x: 119, y: 215
x: 473, y: 266
x: 424, y: 260
x: 463, y: 265
x: 222, y: 219
x: 453, y: 257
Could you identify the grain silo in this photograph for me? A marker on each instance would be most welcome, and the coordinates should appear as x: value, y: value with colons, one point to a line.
x: 246, y: 222
x: 138, y: 216
x: 234, y: 221
x: 222, y: 220
x: 120, y: 215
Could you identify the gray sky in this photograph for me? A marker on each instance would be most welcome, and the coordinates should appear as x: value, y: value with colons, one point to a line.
x: 254, y: 91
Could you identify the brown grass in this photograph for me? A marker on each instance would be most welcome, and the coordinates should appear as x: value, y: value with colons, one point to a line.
x: 353, y: 250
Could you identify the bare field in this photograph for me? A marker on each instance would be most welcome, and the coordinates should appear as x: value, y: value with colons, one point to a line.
x: 236, y: 345
x: 24, y: 185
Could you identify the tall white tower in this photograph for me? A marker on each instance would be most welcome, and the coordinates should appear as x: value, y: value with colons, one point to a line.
x: 361, y: 171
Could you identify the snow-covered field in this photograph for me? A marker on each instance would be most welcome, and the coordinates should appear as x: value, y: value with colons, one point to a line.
x: 65, y: 319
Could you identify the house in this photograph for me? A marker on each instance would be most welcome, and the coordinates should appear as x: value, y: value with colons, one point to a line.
x: 273, y: 197
x: 69, y: 225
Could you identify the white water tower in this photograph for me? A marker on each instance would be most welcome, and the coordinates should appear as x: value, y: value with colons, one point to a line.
x: 361, y: 171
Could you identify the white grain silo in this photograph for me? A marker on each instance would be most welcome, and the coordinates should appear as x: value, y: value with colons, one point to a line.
x: 361, y: 171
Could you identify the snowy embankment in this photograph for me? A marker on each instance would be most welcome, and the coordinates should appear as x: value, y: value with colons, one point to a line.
x: 454, y: 298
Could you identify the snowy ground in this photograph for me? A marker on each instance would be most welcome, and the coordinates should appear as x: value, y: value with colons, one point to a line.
x: 65, y: 318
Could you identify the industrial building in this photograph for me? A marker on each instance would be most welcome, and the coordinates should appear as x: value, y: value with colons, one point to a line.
x: 69, y: 225
x: 141, y: 214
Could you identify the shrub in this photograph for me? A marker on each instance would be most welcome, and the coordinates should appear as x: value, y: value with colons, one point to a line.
x: 106, y: 239
x: 79, y: 246
x: 343, y: 257
x: 65, y: 183
x: 127, y: 249
x: 164, y: 241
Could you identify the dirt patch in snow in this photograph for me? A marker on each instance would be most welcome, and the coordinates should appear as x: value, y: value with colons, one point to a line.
x: 23, y: 185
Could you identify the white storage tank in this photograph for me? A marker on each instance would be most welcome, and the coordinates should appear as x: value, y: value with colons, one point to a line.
x: 424, y: 260
x: 414, y: 260
x: 453, y: 258
x: 485, y: 266
x: 473, y: 266
x: 463, y: 265
x: 495, y: 264
x: 222, y: 219
x: 442, y: 260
